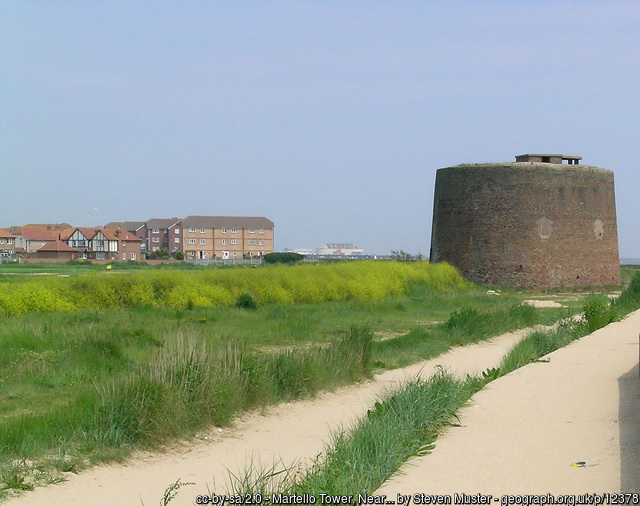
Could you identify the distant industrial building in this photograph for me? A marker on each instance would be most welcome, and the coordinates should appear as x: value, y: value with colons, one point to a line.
x: 343, y: 249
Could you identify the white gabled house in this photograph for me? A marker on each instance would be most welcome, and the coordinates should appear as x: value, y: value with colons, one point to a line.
x: 104, y: 245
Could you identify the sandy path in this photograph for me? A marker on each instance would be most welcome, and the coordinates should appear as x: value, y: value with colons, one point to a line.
x: 521, y: 434
x: 291, y: 432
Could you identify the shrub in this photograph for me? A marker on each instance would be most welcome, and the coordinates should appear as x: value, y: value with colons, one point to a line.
x: 282, y: 258
x: 245, y: 301
x: 598, y: 312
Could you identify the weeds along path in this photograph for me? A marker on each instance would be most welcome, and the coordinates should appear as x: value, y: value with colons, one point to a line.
x: 522, y: 432
x: 291, y: 432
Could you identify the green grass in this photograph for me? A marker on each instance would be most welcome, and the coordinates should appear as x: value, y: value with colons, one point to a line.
x: 406, y: 423
x: 85, y: 386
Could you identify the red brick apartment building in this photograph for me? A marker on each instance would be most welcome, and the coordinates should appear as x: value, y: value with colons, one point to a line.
x: 164, y: 233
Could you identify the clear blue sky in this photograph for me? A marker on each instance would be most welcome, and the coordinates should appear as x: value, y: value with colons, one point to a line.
x: 330, y: 118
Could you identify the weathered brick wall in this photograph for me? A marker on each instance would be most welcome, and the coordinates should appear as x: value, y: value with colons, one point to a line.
x: 527, y: 224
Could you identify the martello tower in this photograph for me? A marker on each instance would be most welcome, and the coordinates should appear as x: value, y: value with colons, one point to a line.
x: 533, y: 222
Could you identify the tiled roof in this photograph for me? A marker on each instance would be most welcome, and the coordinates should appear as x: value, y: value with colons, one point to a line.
x: 124, y: 235
x: 162, y: 222
x: 66, y: 234
x: 131, y: 226
x: 52, y: 227
x: 57, y: 246
x: 227, y: 222
x: 109, y: 233
x: 6, y: 235
x: 37, y: 234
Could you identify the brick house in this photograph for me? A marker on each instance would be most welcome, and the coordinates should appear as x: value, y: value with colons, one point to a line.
x: 104, y: 245
x: 129, y: 245
x: 137, y: 228
x: 164, y: 233
x: 101, y: 243
x: 57, y: 250
x: 78, y: 238
x: 29, y: 239
x: 7, y: 243
x: 226, y: 237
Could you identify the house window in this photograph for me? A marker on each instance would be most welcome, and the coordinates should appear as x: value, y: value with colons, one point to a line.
x: 202, y: 230
x: 123, y: 243
x: 99, y: 244
x: 234, y: 253
x: 192, y: 241
x: 9, y: 241
x: 100, y: 255
x: 252, y: 230
x: 202, y: 241
x: 176, y: 240
x: 133, y: 256
x: 252, y: 241
x: 261, y: 242
x: 224, y: 242
x: 262, y: 230
x: 234, y: 241
x: 1, y: 241
x: 192, y: 253
x: 155, y: 248
x: 177, y: 230
x: 192, y: 229
x: 83, y: 256
x: 224, y: 230
x: 234, y: 230
x: 124, y: 256
x: 155, y: 231
x: 155, y: 239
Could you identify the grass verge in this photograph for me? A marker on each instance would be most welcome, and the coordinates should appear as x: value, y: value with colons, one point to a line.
x: 406, y: 423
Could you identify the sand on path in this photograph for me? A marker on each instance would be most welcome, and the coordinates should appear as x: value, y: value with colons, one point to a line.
x: 522, y: 433
x: 289, y: 433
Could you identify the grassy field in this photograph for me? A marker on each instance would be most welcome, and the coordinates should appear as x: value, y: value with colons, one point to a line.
x: 406, y: 422
x: 95, y: 365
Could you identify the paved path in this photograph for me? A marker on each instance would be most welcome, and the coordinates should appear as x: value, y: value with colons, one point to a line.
x: 521, y: 434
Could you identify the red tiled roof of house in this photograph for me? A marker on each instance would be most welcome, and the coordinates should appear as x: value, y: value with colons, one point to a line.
x: 57, y: 246
x: 125, y: 235
x: 64, y: 235
x: 6, y: 235
x: 109, y: 233
x: 37, y: 234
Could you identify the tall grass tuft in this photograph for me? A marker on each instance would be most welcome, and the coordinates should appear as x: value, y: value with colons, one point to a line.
x: 630, y: 297
x: 402, y: 424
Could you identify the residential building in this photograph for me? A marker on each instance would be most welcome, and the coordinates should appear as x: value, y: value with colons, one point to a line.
x: 57, y: 250
x: 135, y: 227
x: 7, y: 243
x: 101, y: 243
x: 164, y: 233
x: 129, y: 245
x: 226, y: 237
x: 30, y: 239
x: 78, y: 238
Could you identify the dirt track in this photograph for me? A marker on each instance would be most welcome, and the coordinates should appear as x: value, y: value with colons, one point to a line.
x: 523, y: 435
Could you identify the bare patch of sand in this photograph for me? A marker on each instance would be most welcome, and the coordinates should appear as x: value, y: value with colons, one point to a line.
x: 541, y: 303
